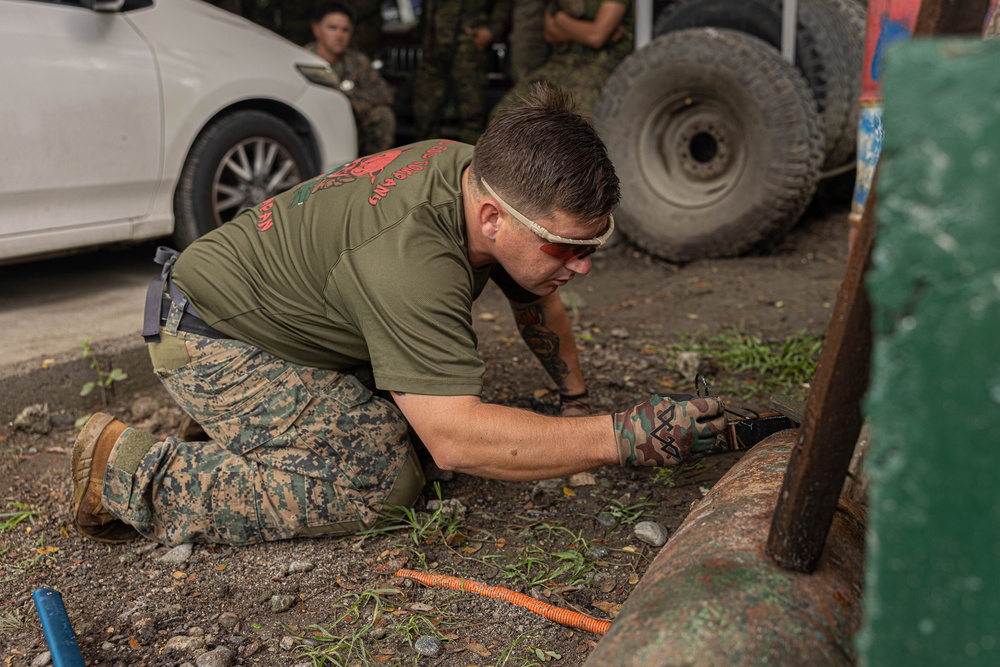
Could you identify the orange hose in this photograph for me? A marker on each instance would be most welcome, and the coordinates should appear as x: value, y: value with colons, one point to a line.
x: 568, y: 617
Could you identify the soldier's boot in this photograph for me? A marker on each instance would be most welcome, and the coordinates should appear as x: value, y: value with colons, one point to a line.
x: 90, y: 461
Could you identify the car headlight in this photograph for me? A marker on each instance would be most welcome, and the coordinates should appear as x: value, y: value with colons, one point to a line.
x: 320, y: 75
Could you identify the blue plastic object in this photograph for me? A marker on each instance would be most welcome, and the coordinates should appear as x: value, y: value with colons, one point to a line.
x: 58, y: 632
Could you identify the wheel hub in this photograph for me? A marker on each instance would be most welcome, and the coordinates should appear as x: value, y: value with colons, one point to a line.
x: 693, y: 149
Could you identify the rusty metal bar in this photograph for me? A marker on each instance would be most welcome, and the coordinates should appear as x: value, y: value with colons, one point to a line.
x: 832, y: 420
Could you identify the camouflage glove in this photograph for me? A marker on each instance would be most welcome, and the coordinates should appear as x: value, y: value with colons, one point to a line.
x: 667, y: 431
x: 575, y: 405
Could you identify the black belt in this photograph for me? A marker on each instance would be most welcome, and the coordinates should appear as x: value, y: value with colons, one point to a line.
x: 163, y: 290
x: 190, y: 322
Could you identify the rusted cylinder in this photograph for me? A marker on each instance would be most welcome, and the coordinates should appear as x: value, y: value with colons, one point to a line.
x: 712, y: 596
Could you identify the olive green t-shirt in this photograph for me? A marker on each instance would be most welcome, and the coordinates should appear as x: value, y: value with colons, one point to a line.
x: 366, y: 264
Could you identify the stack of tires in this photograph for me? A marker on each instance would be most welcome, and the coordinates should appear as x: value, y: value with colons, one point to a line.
x: 719, y: 142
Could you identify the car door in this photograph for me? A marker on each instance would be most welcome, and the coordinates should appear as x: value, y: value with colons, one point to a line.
x: 81, y: 126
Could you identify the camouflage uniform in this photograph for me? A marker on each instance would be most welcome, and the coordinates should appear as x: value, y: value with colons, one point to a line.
x: 307, y: 452
x: 528, y: 48
x: 371, y: 101
x: 450, y: 64
x: 576, y: 67
x: 367, y: 35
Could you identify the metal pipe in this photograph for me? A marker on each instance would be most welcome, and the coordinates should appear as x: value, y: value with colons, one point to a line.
x: 789, y: 15
x: 713, y: 597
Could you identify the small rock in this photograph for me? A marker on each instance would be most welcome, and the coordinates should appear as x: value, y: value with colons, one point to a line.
x: 287, y: 643
x: 607, y: 519
x: 427, y: 646
x: 34, y: 419
x: 144, y: 407
x: 651, y: 533
x: 451, y: 507
x: 228, y: 619
x: 619, y: 332
x: 42, y: 659
x: 299, y: 566
x: 582, y: 479
x: 687, y: 364
x: 184, y: 643
x: 178, y: 554
x: 217, y: 657
x: 281, y: 603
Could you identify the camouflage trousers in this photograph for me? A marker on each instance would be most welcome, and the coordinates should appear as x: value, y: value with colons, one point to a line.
x: 376, y: 129
x: 463, y: 79
x: 528, y: 48
x: 295, y: 451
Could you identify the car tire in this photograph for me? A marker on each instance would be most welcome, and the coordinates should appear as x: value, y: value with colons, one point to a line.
x: 716, y: 141
x: 824, y: 51
x: 238, y: 161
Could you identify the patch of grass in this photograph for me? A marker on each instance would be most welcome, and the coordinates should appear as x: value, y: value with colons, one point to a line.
x: 758, y: 366
x: 18, y: 514
x: 626, y: 515
x: 538, y: 566
x: 668, y: 476
x: 441, y: 524
x: 12, y: 620
x: 348, y: 641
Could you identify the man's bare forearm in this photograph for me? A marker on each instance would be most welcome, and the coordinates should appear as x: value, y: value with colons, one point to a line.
x: 500, y: 442
x: 546, y: 329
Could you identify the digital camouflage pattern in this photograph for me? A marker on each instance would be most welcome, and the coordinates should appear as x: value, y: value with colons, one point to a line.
x: 664, y: 432
x: 371, y: 101
x: 295, y: 451
x: 451, y: 67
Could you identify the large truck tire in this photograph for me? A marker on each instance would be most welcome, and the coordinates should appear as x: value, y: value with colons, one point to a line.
x: 716, y: 140
x: 825, y: 49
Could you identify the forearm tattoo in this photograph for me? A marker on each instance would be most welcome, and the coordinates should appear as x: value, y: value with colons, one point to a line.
x: 542, y: 341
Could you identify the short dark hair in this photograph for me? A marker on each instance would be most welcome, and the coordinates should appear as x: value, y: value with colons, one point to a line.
x: 325, y: 8
x: 543, y: 157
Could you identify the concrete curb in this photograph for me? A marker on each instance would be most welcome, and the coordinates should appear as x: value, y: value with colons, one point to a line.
x: 58, y: 385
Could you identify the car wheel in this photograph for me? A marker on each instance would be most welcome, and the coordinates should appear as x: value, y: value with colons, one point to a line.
x: 239, y: 161
x: 716, y: 140
x: 828, y: 52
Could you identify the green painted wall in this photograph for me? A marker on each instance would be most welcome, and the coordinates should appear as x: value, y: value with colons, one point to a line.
x: 933, y: 569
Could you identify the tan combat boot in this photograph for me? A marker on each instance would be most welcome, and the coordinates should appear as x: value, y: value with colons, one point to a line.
x: 90, y: 460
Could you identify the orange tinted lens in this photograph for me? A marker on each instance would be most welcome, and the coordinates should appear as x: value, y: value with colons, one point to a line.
x: 567, y: 251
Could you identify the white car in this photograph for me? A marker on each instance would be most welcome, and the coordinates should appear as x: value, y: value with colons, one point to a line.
x: 125, y: 120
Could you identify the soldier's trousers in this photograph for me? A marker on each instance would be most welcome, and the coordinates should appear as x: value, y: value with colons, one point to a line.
x: 462, y: 78
x: 295, y: 451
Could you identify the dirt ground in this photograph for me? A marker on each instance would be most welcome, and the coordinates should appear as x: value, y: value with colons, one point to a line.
x: 569, y: 542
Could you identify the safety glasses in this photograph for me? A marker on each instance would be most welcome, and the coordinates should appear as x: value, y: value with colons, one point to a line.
x: 561, y: 248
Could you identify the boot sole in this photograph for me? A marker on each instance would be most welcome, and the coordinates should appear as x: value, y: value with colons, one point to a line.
x: 83, y: 463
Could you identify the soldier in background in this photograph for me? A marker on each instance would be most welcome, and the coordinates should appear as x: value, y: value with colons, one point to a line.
x: 528, y: 48
x: 455, y: 38
x: 589, y: 39
x: 371, y: 98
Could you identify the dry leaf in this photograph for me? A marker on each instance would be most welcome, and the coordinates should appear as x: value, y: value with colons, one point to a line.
x: 420, y: 606
x: 478, y: 649
x: 179, y: 574
x: 607, y: 585
x: 487, y: 317
x: 633, y: 579
x: 609, y: 608
x: 501, y: 543
x: 539, y: 393
x: 473, y: 549
x: 692, y: 316
x: 456, y: 540
x: 631, y: 550
x: 583, y: 479
x: 134, y: 643
x: 568, y: 491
